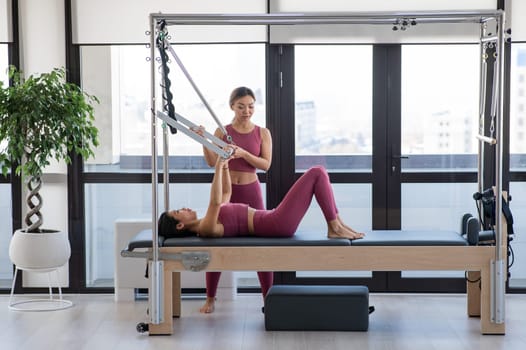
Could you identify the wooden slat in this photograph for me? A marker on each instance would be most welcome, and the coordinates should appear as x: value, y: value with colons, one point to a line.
x: 358, y: 258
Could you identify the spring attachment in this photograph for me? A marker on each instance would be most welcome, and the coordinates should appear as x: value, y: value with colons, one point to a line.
x: 167, y: 96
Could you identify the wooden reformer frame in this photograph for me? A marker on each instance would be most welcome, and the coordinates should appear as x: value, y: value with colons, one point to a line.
x: 477, y: 260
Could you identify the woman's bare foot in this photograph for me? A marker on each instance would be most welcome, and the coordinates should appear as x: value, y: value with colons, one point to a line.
x: 348, y: 227
x: 338, y: 230
x: 209, y: 306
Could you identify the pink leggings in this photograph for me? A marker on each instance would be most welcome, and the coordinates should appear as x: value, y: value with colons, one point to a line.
x: 249, y: 194
x: 284, y: 220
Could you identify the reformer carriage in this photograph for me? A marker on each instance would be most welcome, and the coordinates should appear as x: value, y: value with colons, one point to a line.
x: 380, y: 250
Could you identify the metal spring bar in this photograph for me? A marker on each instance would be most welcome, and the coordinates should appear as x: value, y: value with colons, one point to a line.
x: 482, y: 106
x: 188, y: 128
x: 485, y: 42
x: 167, y: 96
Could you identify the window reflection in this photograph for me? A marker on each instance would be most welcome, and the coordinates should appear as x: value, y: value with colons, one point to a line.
x: 436, y: 206
x: 440, y: 101
x: 4, y: 63
x: 333, y: 113
x: 6, y: 230
x: 120, y: 77
x: 518, y: 206
x: 517, y: 110
x: 104, y: 206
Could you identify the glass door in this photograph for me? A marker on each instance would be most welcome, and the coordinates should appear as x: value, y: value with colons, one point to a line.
x: 395, y: 127
x: 439, y: 121
x: 333, y: 128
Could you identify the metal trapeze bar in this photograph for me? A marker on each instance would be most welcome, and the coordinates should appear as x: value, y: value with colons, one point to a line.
x: 193, y: 261
x: 492, y: 38
x: 486, y: 139
x: 220, y: 147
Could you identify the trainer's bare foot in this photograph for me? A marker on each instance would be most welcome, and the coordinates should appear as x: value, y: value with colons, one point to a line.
x: 337, y: 230
x: 209, y: 306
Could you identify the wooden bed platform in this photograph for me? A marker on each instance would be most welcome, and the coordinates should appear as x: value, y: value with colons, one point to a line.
x: 380, y: 251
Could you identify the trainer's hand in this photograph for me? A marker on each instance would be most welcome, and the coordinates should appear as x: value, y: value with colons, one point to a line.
x: 238, y: 152
x: 199, y: 130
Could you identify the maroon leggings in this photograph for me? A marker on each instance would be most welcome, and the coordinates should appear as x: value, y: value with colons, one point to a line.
x: 249, y: 194
x: 285, y: 219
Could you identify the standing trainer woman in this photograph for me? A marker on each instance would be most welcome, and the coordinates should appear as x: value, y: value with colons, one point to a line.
x: 252, y: 146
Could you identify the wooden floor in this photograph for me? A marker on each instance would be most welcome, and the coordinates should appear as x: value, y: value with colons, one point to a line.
x: 401, y: 321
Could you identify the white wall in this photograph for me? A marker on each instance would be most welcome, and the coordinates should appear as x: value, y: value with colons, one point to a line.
x: 380, y: 5
x: 42, y: 48
x: 516, y: 22
x: 42, y: 35
x: 116, y: 21
x: 5, y: 21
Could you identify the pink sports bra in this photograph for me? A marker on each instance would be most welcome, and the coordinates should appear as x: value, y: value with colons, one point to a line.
x: 234, y: 217
x: 251, y: 142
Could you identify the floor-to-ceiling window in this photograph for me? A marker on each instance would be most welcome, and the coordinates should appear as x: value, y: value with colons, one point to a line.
x: 517, y: 131
x: 440, y: 112
x: 333, y: 122
x: 434, y: 132
x: 6, y: 228
x: 333, y: 127
x: 118, y: 179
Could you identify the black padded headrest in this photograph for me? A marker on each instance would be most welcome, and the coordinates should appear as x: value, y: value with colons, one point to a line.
x: 143, y: 240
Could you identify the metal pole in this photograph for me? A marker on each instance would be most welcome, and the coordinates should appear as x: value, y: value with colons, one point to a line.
x: 499, y: 284
x: 153, y: 140
x: 482, y: 107
x: 329, y: 18
x: 155, y: 270
x: 194, y: 86
x: 166, y: 170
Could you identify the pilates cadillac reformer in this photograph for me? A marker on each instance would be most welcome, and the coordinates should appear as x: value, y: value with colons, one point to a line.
x: 399, y: 251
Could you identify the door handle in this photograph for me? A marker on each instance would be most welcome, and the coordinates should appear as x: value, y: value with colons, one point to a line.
x: 396, y: 156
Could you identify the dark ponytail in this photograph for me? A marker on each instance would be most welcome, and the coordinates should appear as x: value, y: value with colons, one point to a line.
x: 167, y: 227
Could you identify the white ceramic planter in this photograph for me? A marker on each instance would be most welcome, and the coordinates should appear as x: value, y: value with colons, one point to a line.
x: 39, y: 251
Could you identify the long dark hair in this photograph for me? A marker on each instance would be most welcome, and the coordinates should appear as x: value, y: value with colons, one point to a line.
x: 167, y: 227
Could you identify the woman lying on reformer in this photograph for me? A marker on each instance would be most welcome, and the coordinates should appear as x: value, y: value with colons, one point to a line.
x: 224, y: 219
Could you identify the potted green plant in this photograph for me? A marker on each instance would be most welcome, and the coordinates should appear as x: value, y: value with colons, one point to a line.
x: 42, y: 118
